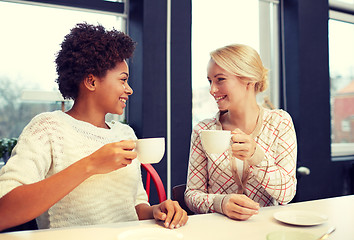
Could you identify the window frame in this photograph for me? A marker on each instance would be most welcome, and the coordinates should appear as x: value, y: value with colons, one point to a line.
x: 92, y: 5
x: 270, y: 47
x: 341, y: 12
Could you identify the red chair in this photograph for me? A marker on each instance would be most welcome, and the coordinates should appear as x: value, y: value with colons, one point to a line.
x: 151, y: 172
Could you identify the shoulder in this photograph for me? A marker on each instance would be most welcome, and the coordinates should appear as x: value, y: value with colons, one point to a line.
x: 45, y: 119
x: 276, y: 115
x: 277, y: 119
x: 206, y: 124
x: 125, y: 130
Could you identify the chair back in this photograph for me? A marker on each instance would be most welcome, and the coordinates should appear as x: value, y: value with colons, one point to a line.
x: 178, y: 195
x: 31, y: 225
x: 151, y: 173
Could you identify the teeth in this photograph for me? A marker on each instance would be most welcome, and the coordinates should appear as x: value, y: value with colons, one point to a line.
x: 123, y: 100
x: 218, y: 98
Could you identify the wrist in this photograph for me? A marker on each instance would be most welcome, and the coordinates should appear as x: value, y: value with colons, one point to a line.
x: 218, y: 203
x: 257, y: 157
x: 87, y: 167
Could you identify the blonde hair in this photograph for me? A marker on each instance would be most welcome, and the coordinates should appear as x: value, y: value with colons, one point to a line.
x: 244, y: 62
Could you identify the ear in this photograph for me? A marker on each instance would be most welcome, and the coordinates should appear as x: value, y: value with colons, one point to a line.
x: 250, y: 85
x: 89, y: 82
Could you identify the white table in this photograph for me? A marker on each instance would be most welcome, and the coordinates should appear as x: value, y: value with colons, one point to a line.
x: 340, y: 212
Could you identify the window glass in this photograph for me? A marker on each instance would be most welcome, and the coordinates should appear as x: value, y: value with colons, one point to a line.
x: 30, y: 38
x: 215, y: 24
x: 341, y: 61
x: 345, y: 1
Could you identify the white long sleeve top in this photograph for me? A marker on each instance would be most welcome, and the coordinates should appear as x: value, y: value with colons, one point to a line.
x: 53, y: 141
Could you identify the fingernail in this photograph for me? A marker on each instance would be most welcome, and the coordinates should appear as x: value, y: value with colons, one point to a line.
x: 177, y: 226
x: 167, y: 224
x: 172, y: 226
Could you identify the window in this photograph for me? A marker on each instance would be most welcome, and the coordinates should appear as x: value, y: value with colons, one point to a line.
x: 30, y: 38
x: 341, y: 63
x: 252, y: 22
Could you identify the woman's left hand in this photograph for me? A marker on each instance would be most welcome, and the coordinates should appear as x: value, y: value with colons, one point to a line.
x: 170, y: 212
x: 243, y: 146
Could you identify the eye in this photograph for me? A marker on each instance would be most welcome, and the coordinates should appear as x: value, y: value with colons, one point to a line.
x: 220, y: 79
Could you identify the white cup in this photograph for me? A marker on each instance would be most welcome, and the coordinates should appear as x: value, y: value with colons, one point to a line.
x: 215, y: 141
x: 150, y: 150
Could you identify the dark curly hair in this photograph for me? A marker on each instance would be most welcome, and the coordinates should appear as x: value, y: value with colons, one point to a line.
x: 89, y: 49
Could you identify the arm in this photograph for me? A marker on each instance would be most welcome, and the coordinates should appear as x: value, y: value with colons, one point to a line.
x: 277, y: 172
x: 196, y: 196
x: 235, y: 206
x: 28, y: 201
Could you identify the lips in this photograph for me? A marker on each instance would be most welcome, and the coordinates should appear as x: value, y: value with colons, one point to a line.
x: 219, y: 98
x: 123, y: 101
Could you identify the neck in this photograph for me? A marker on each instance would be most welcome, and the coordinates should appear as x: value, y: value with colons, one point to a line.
x: 85, y: 113
x: 244, y: 118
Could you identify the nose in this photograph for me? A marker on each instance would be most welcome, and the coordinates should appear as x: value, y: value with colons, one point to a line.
x: 128, y: 90
x: 213, y: 88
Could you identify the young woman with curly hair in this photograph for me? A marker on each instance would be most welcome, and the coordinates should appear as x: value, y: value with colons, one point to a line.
x: 73, y: 168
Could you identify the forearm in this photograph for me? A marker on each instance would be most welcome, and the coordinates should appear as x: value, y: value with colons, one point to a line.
x: 281, y: 186
x: 29, y: 201
x: 277, y: 178
x: 144, y: 211
x: 277, y: 172
x: 201, y: 202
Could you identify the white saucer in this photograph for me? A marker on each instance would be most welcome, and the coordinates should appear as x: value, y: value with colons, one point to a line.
x: 290, y: 235
x: 301, y: 218
x: 153, y: 233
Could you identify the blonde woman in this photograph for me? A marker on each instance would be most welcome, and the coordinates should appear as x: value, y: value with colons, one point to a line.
x: 259, y: 168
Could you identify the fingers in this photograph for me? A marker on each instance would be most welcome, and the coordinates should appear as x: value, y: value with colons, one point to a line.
x: 239, y: 137
x: 125, y: 149
x: 112, y: 156
x: 173, y: 215
x: 127, y: 145
x: 124, y: 162
x: 240, y: 207
x: 129, y: 155
x: 245, y: 202
x: 244, y: 146
x: 242, y: 151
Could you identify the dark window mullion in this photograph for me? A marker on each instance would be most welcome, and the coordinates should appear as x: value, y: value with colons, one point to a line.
x: 100, y: 5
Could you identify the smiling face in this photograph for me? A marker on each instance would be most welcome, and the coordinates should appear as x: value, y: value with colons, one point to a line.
x: 113, y: 89
x: 227, y: 90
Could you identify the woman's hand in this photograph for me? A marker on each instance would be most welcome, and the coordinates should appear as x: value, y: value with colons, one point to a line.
x: 239, y: 206
x: 170, y: 212
x: 244, y: 146
x: 111, y: 156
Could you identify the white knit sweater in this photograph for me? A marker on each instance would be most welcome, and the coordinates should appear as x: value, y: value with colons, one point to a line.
x: 53, y: 141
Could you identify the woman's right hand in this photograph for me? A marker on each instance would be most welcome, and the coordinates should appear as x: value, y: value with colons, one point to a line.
x: 239, y: 206
x: 111, y: 156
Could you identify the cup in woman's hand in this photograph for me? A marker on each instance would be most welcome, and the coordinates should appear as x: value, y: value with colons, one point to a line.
x: 150, y: 150
x: 215, y: 141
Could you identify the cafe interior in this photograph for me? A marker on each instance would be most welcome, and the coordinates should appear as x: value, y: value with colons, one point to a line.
x: 307, y: 45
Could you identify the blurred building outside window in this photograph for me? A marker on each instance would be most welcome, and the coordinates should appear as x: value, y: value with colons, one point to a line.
x: 341, y: 65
